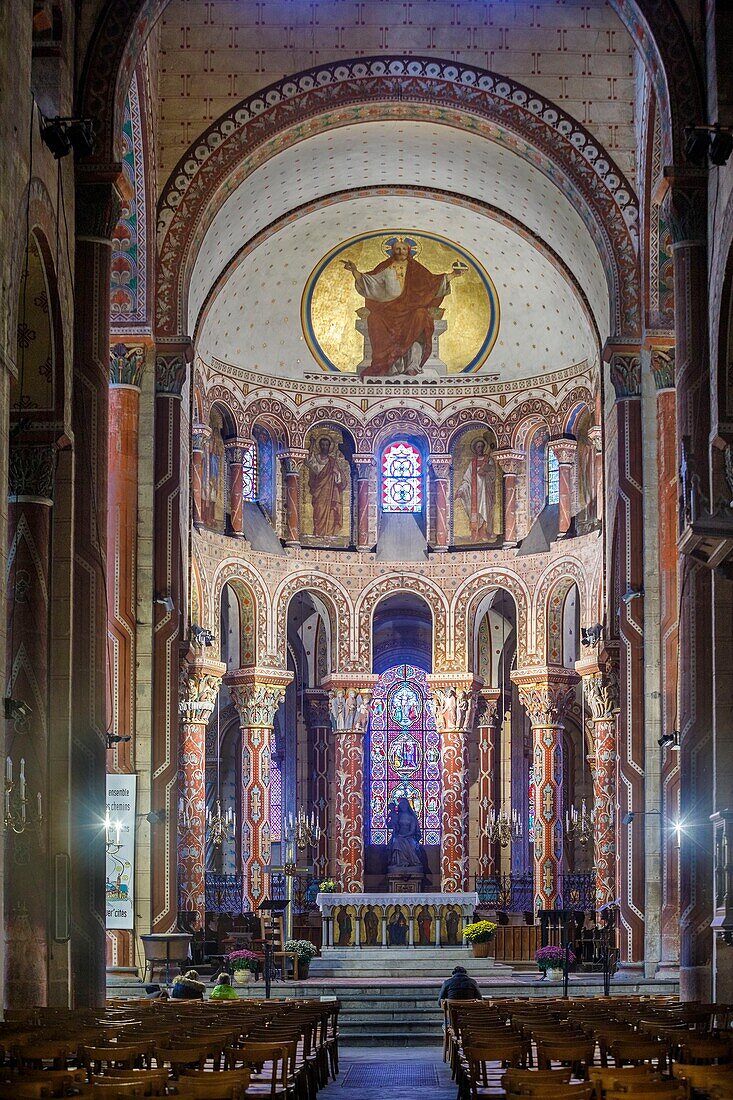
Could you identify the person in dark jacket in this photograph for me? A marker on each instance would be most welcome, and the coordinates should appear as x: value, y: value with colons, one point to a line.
x: 459, y: 987
x: 187, y: 987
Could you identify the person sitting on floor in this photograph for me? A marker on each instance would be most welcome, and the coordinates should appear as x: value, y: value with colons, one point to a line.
x: 187, y: 987
x: 459, y: 987
x: 223, y: 991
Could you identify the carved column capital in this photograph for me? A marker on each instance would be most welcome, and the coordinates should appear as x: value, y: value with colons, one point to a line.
x: 602, y: 694
x: 454, y: 698
x: 487, y: 706
x: 237, y: 450
x: 257, y: 693
x: 685, y: 207
x: 510, y: 461
x: 663, y: 367
x: 564, y: 450
x: 31, y: 471
x: 200, y: 681
x: 292, y: 459
x: 316, y: 707
x: 441, y: 465
x: 172, y: 358
x: 545, y: 693
x: 364, y: 464
x: 595, y: 436
x: 625, y: 374
x: 126, y: 365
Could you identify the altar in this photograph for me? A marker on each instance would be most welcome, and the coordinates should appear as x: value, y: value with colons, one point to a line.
x: 395, y: 919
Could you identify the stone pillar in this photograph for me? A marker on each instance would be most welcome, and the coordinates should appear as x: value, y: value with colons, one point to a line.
x: 171, y: 363
x: 319, y: 725
x: 292, y: 463
x: 625, y: 373
x: 545, y: 694
x: 663, y: 363
x: 126, y: 368
x: 256, y: 693
x: 600, y: 684
x: 200, y: 436
x: 595, y: 436
x: 200, y: 683
x: 441, y: 464
x: 364, y: 465
x: 30, y: 503
x: 565, y: 452
x: 512, y: 466
x: 236, y: 452
x: 97, y: 209
x: 686, y: 207
x: 454, y: 698
x: 487, y: 712
x: 349, y: 696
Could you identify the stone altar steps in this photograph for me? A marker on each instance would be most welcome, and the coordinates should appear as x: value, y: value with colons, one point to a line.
x: 401, y: 962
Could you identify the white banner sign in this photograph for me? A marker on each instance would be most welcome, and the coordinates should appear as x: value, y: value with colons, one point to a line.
x: 120, y: 838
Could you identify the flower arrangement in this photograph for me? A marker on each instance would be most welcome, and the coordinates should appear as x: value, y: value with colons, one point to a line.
x: 328, y: 886
x: 304, y: 949
x: 481, y: 931
x: 244, y: 960
x: 553, y: 958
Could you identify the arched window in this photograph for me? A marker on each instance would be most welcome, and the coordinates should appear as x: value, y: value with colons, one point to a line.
x: 553, y: 477
x: 249, y: 474
x: 538, y: 472
x: 401, y: 478
x: 404, y: 753
x: 276, y: 799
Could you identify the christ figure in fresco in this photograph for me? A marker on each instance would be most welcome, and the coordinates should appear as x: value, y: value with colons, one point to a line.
x: 328, y: 477
x: 400, y: 295
x: 477, y: 492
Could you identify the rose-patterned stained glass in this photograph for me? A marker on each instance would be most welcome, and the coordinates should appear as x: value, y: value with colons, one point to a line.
x: 404, y: 753
x: 276, y: 800
x: 401, y: 478
x: 249, y: 474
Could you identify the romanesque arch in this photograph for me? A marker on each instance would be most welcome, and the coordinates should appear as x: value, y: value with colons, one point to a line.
x: 337, y: 602
x: 407, y: 582
x: 467, y: 599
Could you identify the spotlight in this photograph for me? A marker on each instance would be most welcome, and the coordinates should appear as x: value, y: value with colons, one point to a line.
x: 55, y: 137
x: 116, y: 739
x: 696, y: 145
x: 627, y: 818
x: 165, y: 601
x: 721, y: 146
x: 631, y: 594
x: 201, y: 635
x: 60, y: 135
x: 672, y: 739
x: 591, y: 635
x: 155, y: 817
x: 16, y: 710
x: 81, y: 136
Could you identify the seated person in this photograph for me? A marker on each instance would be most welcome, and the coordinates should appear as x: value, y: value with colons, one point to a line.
x: 187, y: 987
x: 459, y: 987
x: 223, y: 991
x: 154, y: 992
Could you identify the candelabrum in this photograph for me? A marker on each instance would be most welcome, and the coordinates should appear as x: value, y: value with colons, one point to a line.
x: 579, y: 825
x: 16, y: 816
x: 503, y: 828
x: 221, y: 826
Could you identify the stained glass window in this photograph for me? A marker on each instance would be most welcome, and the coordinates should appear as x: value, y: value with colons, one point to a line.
x: 404, y: 753
x: 537, y: 472
x: 249, y: 474
x: 401, y: 478
x: 553, y: 477
x: 276, y: 800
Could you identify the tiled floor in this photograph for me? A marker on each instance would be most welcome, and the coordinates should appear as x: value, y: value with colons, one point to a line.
x: 374, y: 1073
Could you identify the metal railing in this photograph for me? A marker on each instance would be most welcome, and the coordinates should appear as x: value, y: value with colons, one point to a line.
x: 224, y: 893
x: 514, y: 893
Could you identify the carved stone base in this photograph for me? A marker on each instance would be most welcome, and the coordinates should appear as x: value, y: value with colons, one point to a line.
x: 405, y: 881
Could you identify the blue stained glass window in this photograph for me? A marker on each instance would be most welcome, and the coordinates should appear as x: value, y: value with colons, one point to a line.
x: 401, y: 478
x: 537, y: 472
x: 553, y: 477
x: 276, y: 800
x: 404, y: 753
x: 249, y: 474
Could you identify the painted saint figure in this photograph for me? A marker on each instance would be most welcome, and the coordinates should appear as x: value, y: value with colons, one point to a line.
x: 400, y: 294
x: 371, y: 926
x: 477, y: 492
x: 328, y: 478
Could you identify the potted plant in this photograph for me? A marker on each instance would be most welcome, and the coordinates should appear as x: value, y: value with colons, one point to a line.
x: 551, y: 961
x: 305, y: 950
x: 479, y: 935
x: 328, y: 886
x: 244, y: 964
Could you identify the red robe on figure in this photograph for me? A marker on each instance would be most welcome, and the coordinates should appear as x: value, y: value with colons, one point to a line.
x: 396, y: 325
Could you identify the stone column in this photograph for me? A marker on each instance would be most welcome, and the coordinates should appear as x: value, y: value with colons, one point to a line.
x: 349, y: 696
x: 200, y: 436
x: 487, y: 712
x: 319, y: 725
x: 126, y: 368
x: 200, y: 683
x: 512, y: 466
x: 454, y: 698
x: 441, y: 464
x: 600, y: 684
x: 364, y: 465
x: 256, y: 693
x: 546, y: 693
x: 171, y: 364
x: 595, y: 436
x: 30, y: 503
x: 236, y: 452
x: 97, y: 209
x: 565, y: 452
x: 686, y: 207
x: 663, y: 363
x: 292, y: 463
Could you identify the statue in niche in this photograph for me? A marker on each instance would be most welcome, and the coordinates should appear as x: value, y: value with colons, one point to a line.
x: 404, y: 850
x: 329, y: 478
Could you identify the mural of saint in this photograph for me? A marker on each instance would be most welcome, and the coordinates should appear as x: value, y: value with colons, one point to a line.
x: 400, y: 294
x: 326, y: 490
x: 477, y: 493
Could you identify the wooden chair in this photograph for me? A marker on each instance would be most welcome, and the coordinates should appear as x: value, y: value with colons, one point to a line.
x: 566, y: 1092
x: 638, y: 1050
x: 114, y: 1055
x: 273, y: 932
x: 35, y: 1054
x: 605, y: 1078
x: 704, y: 1050
x: 154, y: 1081
x: 661, y: 1090
x: 180, y: 1058
x: 25, y: 1090
x: 60, y: 1080
x: 474, y: 1073
x: 515, y: 1080
x: 269, y: 1063
x: 212, y: 1089
x: 702, y: 1078
x: 577, y: 1052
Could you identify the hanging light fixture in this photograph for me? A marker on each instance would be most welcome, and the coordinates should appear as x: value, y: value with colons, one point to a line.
x: 220, y: 826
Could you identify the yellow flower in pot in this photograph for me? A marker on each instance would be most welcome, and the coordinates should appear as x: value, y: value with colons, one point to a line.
x: 479, y: 935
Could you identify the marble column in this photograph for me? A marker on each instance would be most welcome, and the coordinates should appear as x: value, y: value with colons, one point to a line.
x: 256, y: 693
x: 512, y: 465
x: 349, y: 696
x: 319, y: 726
x: 200, y: 683
x: 237, y: 451
x: 364, y: 465
x: 545, y: 693
x: 565, y: 451
x: 170, y: 456
x: 686, y: 207
x: 625, y: 375
x: 600, y: 685
x: 454, y: 698
x: 200, y: 436
x: 487, y: 714
x: 292, y: 463
x: 663, y: 364
x: 30, y: 504
x: 441, y: 465
x: 126, y: 366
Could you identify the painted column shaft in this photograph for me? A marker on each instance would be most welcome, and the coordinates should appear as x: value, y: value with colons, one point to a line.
x: 566, y: 497
x: 441, y: 514
x: 363, y: 464
x: 453, y: 853
x: 192, y: 817
x: 349, y: 820
x: 511, y: 463
x: 236, y: 499
x: 603, y: 771
x: 255, y: 802
x: 487, y: 760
